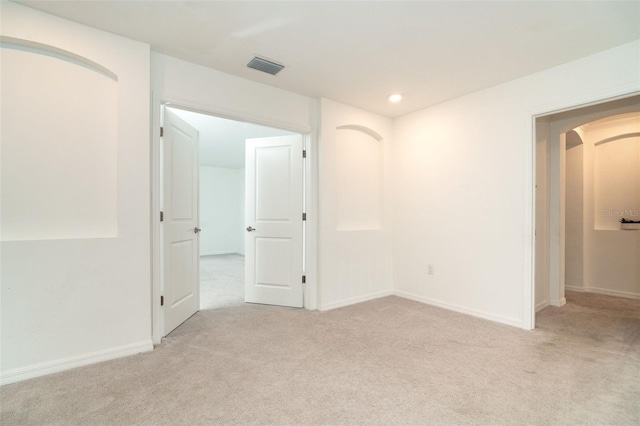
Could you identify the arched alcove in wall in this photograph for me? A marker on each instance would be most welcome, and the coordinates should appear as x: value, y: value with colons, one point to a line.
x: 359, y: 162
x: 616, y: 180
x: 59, y: 144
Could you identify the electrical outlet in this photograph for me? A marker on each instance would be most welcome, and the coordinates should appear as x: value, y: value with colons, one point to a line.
x: 430, y: 269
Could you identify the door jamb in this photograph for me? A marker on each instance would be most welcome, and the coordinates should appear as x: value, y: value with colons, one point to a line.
x: 310, y: 204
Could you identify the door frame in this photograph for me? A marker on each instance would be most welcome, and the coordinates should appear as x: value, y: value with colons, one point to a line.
x: 310, y: 186
x: 554, y: 214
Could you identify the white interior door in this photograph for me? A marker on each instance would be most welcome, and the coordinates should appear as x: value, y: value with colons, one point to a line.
x: 273, y: 202
x: 180, y: 222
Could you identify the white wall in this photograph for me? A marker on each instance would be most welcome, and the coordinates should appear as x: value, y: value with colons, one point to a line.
x: 464, y: 186
x: 207, y: 90
x: 71, y: 299
x: 221, y: 210
x: 355, y: 243
x: 574, y: 218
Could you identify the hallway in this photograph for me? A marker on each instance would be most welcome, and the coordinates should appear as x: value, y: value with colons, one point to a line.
x: 602, y: 319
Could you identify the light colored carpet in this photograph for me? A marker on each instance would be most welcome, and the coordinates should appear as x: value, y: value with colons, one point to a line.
x: 221, y: 281
x: 387, y: 361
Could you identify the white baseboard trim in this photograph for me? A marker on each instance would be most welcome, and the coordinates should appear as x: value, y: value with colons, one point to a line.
x: 616, y: 293
x: 605, y: 291
x: 558, y: 303
x: 540, y: 306
x: 217, y: 253
x: 473, y: 312
x: 50, y: 367
x: 353, y: 300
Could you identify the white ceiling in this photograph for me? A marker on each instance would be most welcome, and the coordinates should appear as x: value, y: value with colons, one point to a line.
x: 358, y: 52
x: 222, y: 141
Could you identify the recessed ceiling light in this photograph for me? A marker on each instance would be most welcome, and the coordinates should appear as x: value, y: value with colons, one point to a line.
x: 396, y: 97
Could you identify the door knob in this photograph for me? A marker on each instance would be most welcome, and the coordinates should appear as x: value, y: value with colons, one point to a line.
x: 196, y: 230
x: 249, y: 229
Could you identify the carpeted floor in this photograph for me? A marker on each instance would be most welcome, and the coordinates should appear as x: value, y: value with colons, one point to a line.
x: 387, y: 361
x: 221, y: 281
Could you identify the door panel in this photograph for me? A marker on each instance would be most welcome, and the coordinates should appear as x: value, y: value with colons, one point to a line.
x: 181, y: 271
x: 272, y: 183
x: 273, y: 190
x: 182, y: 148
x: 274, y: 268
x: 180, y: 207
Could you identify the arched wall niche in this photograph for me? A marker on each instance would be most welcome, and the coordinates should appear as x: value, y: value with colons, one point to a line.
x: 617, y: 137
x: 359, y: 178
x: 59, y: 144
x: 616, y: 179
x: 363, y: 129
x: 611, y: 167
x: 55, y: 52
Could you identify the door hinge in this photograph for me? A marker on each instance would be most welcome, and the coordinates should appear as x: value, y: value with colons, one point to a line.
x: 304, y: 279
x: 304, y: 153
x: 161, y: 216
x: 304, y: 216
x: 161, y: 300
x: 161, y: 131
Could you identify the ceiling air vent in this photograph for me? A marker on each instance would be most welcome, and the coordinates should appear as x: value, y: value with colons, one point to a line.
x: 264, y: 65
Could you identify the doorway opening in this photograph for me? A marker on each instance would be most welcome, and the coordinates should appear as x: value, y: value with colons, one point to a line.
x: 221, y: 167
x: 579, y: 245
x: 305, y: 220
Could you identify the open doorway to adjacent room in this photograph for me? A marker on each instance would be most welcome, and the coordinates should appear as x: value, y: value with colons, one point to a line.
x: 587, y: 180
x: 222, y: 204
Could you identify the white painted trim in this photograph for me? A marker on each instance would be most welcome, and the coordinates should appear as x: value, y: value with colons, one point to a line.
x: 540, y: 306
x: 529, y: 252
x: 451, y: 307
x: 354, y: 300
x: 219, y: 252
x: 42, y: 369
x: 156, y: 242
x: 605, y: 291
x: 363, y: 129
x: 56, y: 52
x: 235, y: 115
x: 558, y: 303
x: 578, y: 289
x: 311, y: 209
